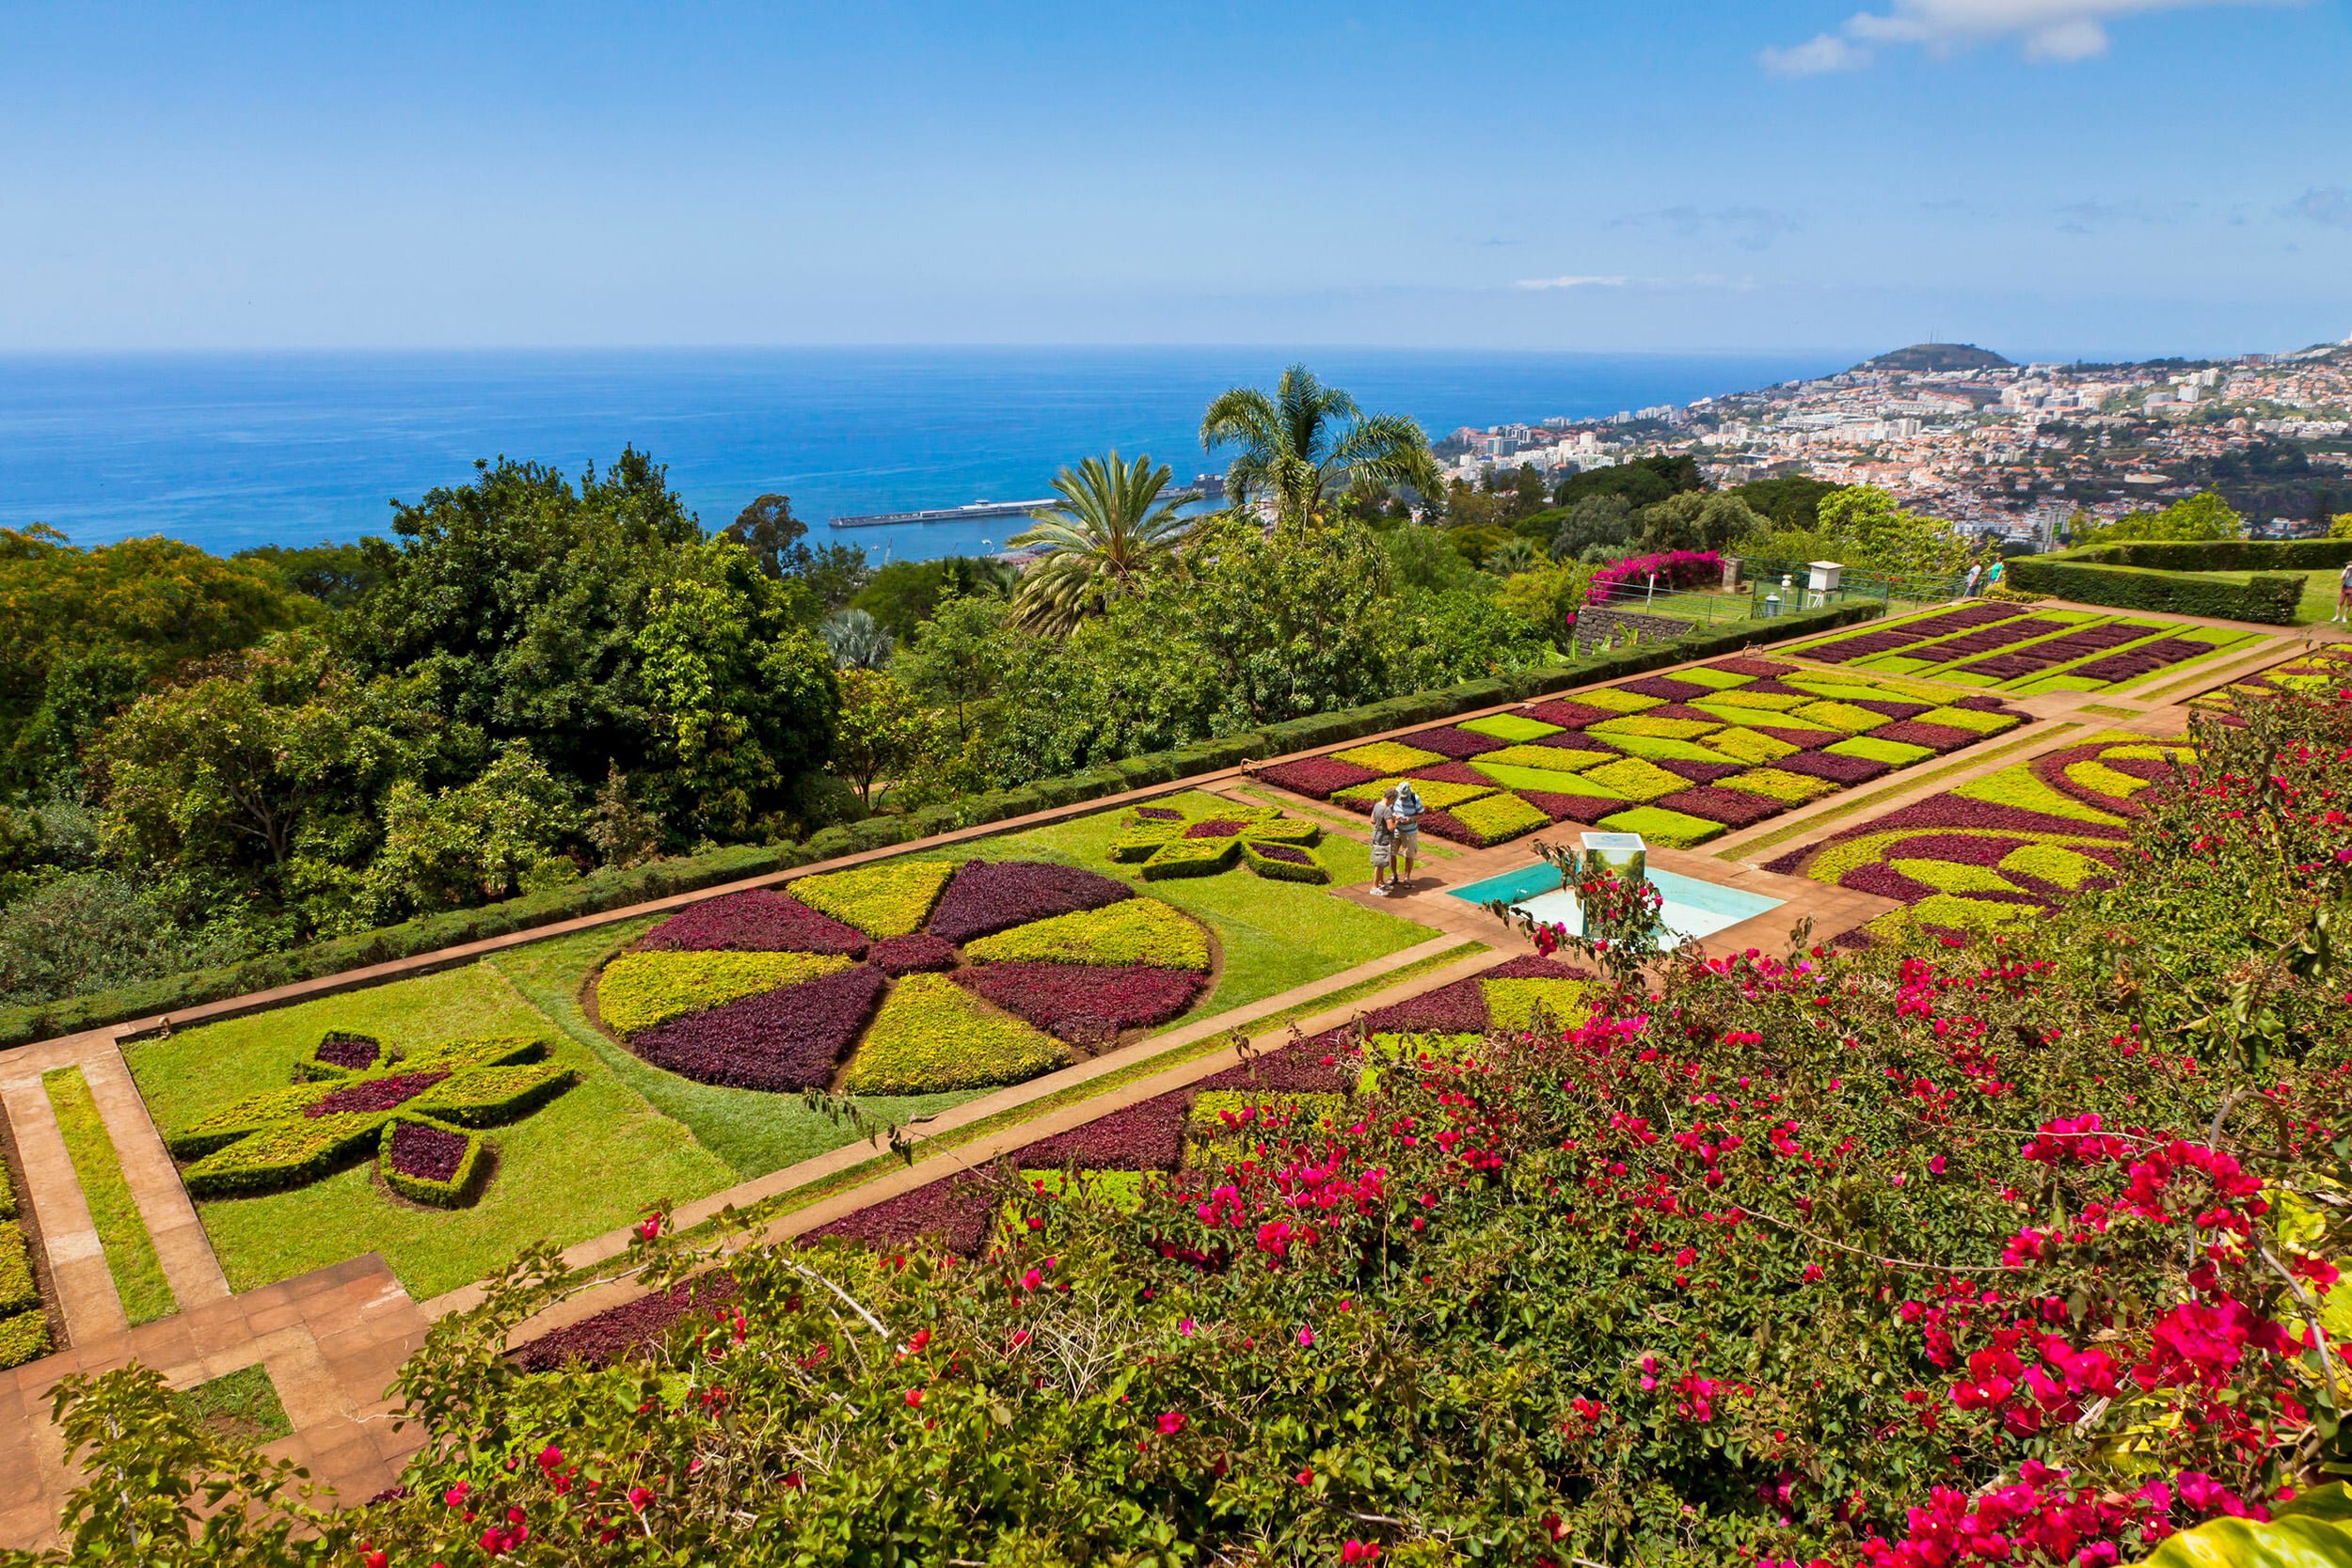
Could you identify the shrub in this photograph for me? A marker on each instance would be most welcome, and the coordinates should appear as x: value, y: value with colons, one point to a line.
x: 760, y: 920
x: 18, y: 1293
x: 1657, y: 825
x: 1086, y: 1004
x: 626, y: 1330
x: 986, y: 897
x: 22, y: 1337
x: 930, y: 1036
x: 1119, y: 1191
x: 1137, y: 931
x: 638, y: 990
x: 7, y: 1194
x: 1388, y: 757
x: 1191, y: 856
x: 1230, y: 1121
x: 338, y: 1054
x: 284, y: 1154
x: 1285, y: 830
x: 433, y: 1164
x: 787, y: 1039
x: 487, y: 1096
x: 1283, y: 863
x: 2269, y: 599
x: 886, y: 900
x: 372, y: 1094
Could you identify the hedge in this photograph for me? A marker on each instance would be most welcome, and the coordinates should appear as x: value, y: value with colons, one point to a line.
x: 615, y: 888
x: 460, y: 1188
x: 2270, y: 597
x: 2218, y: 555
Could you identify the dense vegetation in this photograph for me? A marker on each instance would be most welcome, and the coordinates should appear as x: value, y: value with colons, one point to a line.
x: 2018, y: 1253
x: 537, y: 676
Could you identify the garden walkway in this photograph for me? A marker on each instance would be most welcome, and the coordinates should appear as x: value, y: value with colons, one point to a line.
x: 334, y: 1339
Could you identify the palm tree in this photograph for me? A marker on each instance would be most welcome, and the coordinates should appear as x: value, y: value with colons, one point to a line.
x: 1295, y: 449
x: 1110, y: 529
x: 856, y: 639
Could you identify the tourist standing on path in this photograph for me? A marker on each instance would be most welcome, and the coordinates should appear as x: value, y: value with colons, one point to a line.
x: 1968, y: 587
x: 1409, y: 809
x: 1384, y: 843
x: 2344, y: 597
x: 1993, y: 577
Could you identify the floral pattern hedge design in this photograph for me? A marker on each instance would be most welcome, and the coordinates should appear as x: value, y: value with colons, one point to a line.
x: 1680, y: 758
x: 1195, y: 834
x: 2325, y: 666
x: 2022, y: 649
x: 2001, y: 849
x: 1018, y: 964
x: 334, y: 1115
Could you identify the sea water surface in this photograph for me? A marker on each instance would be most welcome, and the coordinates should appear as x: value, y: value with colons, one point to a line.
x: 228, y: 451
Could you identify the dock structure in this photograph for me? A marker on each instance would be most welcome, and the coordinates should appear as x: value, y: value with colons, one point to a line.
x: 978, y: 510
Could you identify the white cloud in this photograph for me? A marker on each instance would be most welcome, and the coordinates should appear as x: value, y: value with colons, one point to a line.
x: 2327, y: 205
x: 1574, y: 280
x: 2050, y: 30
x: 1816, y: 56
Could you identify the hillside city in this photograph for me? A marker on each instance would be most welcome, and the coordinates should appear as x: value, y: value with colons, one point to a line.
x: 1995, y: 448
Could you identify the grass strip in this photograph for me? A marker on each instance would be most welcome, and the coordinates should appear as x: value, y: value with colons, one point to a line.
x: 130, y: 1250
x: 241, y: 1406
x: 1904, y: 785
x: 2104, y: 711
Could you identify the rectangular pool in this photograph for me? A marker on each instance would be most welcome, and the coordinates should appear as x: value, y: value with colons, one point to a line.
x: 1691, y: 909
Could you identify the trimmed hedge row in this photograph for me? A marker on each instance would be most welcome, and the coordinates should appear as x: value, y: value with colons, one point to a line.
x: 2270, y: 598
x: 613, y: 888
x: 2220, y: 555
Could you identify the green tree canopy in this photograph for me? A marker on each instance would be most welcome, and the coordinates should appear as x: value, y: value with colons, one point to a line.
x: 1644, y: 481
x: 1307, y: 442
x: 2198, y: 518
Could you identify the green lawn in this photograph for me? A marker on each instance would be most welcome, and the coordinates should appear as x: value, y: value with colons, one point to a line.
x: 241, y: 1406
x: 585, y: 1164
x: 1273, y: 935
x: 121, y: 1233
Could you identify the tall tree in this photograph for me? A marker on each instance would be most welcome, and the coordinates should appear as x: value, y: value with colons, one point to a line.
x: 1110, y: 529
x: 1308, y: 440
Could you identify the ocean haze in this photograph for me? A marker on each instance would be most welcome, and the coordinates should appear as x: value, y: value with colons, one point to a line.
x: 228, y: 451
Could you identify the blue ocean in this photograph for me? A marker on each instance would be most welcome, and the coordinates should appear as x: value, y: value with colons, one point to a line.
x: 228, y: 451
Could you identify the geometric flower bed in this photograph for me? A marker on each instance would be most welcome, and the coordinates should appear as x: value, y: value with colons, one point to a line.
x: 2327, y: 666
x: 1243, y: 1113
x: 416, y: 1114
x: 1678, y: 759
x: 2019, y: 648
x: 902, y: 977
x: 2004, y: 849
x: 1195, y: 834
x: 24, y: 1328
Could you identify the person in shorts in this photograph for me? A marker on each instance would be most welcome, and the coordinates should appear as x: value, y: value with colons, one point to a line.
x: 1384, y: 843
x: 1409, y: 809
x: 2343, y: 597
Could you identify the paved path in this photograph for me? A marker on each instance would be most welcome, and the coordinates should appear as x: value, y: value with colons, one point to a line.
x: 334, y: 1339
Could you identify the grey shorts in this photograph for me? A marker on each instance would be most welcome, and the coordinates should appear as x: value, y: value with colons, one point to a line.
x: 1409, y: 840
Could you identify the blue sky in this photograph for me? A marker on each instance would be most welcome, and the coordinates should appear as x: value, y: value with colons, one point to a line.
x: 2084, y: 176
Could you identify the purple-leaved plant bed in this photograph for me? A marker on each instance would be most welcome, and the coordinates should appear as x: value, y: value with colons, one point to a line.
x: 630, y: 1329
x: 1459, y: 1008
x: 355, y: 1052
x: 988, y: 896
x: 374, y: 1094
x: 956, y: 1211
x: 917, y: 953
x: 1566, y: 713
x: 1315, y: 777
x: 427, y: 1153
x: 1216, y: 826
x: 1834, y: 767
x: 1450, y: 742
x: 1148, y: 1136
x: 1086, y: 1004
x: 787, y: 1039
x: 758, y: 920
x: 1534, y: 966
x: 1311, y: 1067
x: 1290, y: 854
x: 1733, y: 808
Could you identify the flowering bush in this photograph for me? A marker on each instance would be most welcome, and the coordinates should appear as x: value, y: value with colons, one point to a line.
x: 787, y: 1039
x: 637, y: 990
x: 1086, y: 1004
x: 755, y: 920
x: 1671, y: 568
x: 888, y: 899
x: 991, y: 895
x: 932, y: 1035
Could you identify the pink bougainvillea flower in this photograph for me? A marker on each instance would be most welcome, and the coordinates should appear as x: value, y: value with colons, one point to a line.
x: 1171, y: 1422
x: 914, y: 1397
x: 1306, y: 1337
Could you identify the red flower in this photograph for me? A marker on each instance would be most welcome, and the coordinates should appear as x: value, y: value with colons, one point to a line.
x: 914, y: 1397
x: 1171, y: 1422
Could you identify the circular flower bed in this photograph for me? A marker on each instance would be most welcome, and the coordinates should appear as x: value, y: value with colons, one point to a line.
x: 906, y: 978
